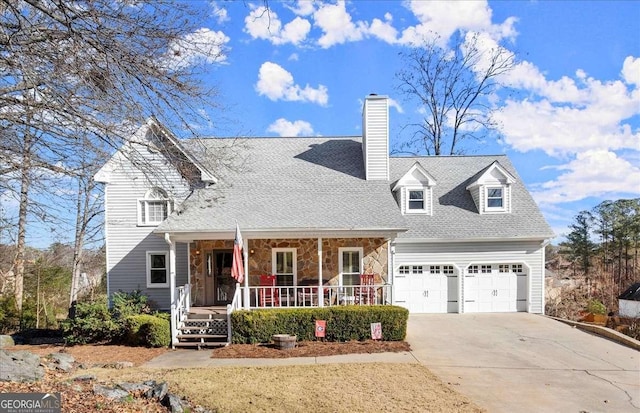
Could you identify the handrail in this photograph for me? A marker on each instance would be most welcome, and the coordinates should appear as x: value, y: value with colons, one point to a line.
x: 179, y: 311
x: 332, y: 295
x: 235, y: 305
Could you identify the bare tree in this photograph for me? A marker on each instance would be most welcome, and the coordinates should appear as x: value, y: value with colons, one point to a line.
x: 84, y: 74
x: 452, y: 87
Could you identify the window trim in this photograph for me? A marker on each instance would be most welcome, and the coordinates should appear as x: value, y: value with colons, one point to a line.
x: 143, y: 205
x: 294, y: 258
x: 503, y: 198
x: 360, y: 251
x: 408, y: 191
x: 167, y: 269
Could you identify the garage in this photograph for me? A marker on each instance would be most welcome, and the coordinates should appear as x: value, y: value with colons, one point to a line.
x: 427, y: 288
x: 495, y: 288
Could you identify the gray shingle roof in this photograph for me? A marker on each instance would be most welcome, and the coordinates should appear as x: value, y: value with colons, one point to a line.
x: 317, y: 184
x: 287, y: 183
x: 455, y: 216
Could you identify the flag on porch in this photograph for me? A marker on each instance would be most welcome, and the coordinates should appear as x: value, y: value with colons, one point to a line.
x: 237, y: 268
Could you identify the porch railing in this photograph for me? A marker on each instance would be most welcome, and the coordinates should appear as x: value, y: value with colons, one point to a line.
x: 180, y: 310
x: 307, y: 296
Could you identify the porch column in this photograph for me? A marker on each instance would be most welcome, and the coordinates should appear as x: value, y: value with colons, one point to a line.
x: 320, y: 289
x: 172, y: 286
x: 245, y: 255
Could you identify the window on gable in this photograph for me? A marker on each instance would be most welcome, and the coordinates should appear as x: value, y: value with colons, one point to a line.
x: 157, y: 269
x: 415, y: 201
x: 495, y: 198
x: 154, y: 208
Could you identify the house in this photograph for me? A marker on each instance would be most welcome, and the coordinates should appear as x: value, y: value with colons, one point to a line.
x: 629, y: 302
x: 440, y: 234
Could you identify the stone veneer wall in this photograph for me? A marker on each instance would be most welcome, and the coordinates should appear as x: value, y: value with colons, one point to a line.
x: 375, y: 260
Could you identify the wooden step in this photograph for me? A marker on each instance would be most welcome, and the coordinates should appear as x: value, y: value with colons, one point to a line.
x: 210, y: 336
x: 200, y: 345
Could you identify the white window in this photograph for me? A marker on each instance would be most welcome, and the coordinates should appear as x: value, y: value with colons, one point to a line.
x: 447, y: 269
x: 473, y: 269
x: 485, y: 269
x: 157, y: 269
x: 517, y: 268
x: 434, y: 269
x: 404, y: 269
x: 417, y: 269
x: 154, y: 208
x: 416, y: 200
x: 495, y: 198
x: 504, y: 268
x: 350, y: 262
x: 284, y: 263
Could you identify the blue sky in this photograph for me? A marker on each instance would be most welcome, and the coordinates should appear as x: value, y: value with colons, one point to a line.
x: 572, y: 127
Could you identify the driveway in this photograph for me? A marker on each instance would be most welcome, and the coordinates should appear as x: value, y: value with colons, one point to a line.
x: 521, y: 362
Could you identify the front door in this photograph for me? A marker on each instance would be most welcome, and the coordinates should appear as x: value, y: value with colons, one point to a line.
x: 220, y: 285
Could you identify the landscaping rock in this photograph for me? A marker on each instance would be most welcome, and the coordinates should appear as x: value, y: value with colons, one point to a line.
x: 61, y: 361
x: 110, y: 392
x: 134, y: 387
x: 85, y: 377
x: 157, y: 391
x: 174, y: 403
x: 6, y: 341
x: 20, y: 366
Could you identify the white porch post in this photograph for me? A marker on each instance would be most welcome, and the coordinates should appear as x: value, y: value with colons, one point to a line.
x: 245, y: 255
x: 172, y: 286
x: 320, y: 290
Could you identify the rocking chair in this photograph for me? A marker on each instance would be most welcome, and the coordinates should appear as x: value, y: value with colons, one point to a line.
x: 269, y: 297
x: 365, y: 293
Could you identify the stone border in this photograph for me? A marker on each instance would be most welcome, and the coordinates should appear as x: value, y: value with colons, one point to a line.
x: 602, y: 331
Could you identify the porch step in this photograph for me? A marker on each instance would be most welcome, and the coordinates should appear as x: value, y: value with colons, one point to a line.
x: 203, y: 330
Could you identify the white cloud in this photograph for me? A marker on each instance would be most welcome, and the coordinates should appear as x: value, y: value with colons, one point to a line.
x: 284, y: 127
x: 337, y: 26
x: 631, y: 70
x: 394, y: 104
x: 276, y: 83
x: 441, y: 19
x: 263, y: 23
x: 594, y: 173
x: 219, y: 13
x: 294, y: 57
x: 204, y: 45
x: 304, y: 7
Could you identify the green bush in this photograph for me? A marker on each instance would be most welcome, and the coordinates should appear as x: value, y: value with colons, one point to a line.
x: 92, y: 323
x: 126, y: 304
x: 343, y: 323
x: 147, y: 330
x: 156, y: 333
x: 596, y: 307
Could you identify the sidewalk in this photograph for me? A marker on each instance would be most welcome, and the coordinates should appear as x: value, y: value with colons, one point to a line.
x: 183, y: 358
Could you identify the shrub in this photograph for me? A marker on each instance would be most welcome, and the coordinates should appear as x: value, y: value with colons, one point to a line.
x: 147, y: 330
x: 126, y: 304
x: 92, y: 323
x: 596, y: 307
x: 343, y: 323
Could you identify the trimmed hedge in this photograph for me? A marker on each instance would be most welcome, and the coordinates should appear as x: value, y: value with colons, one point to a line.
x: 147, y: 330
x: 343, y: 323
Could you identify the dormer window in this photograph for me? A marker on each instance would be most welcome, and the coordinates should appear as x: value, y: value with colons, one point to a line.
x: 495, y: 198
x: 415, y: 200
x: 491, y: 189
x: 414, y: 191
x: 154, y: 208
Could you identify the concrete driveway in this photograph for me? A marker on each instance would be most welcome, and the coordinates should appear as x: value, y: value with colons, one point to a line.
x: 522, y: 362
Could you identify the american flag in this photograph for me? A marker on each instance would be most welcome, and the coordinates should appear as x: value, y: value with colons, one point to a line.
x: 237, y: 269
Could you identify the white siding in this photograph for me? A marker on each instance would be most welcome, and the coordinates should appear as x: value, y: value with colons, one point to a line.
x: 463, y: 254
x: 375, y: 137
x: 127, y: 243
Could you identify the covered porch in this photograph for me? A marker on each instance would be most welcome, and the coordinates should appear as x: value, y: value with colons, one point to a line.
x: 284, y: 272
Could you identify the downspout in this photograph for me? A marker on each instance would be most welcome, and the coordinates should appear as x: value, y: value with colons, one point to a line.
x: 172, y: 287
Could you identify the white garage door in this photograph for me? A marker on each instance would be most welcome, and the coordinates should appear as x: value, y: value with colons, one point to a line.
x: 495, y: 288
x: 426, y: 288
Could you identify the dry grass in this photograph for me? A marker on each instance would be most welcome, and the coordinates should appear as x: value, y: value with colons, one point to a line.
x: 319, y: 388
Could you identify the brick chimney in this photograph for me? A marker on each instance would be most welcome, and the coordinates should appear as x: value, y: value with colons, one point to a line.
x: 375, y: 137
